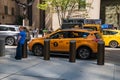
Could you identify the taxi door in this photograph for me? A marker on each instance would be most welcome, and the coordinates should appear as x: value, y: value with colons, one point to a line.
x: 59, y: 45
x: 106, y: 37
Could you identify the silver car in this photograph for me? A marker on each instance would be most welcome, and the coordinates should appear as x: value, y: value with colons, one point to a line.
x: 9, y: 33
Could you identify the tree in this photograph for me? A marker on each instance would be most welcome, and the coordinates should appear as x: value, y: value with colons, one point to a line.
x: 63, y: 8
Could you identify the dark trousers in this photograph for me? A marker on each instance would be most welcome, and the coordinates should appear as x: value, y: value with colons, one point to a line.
x: 19, y: 51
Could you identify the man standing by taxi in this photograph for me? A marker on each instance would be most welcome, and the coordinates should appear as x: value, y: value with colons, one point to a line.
x: 20, y: 42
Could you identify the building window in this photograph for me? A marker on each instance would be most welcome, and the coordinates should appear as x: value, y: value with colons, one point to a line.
x: 12, y: 11
x: 6, y: 9
x: 82, y: 4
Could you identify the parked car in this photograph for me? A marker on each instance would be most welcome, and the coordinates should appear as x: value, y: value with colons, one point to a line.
x: 92, y: 27
x: 86, y: 42
x: 9, y: 33
x: 111, y: 37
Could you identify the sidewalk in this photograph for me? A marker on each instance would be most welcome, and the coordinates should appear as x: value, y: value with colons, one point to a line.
x: 35, y: 68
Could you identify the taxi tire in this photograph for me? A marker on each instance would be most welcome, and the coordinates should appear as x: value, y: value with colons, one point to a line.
x: 37, y: 50
x: 113, y: 44
x: 83, y: 53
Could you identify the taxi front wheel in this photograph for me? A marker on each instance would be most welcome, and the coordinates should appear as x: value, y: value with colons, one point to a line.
x: 84, y: 53
x: 113, y: 44
x: 37, y: 50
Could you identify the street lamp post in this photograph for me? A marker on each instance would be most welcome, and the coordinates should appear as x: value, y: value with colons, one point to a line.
x: 25, y: 7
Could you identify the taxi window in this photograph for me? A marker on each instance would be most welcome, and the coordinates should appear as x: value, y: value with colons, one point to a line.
x: 109, y: 32
x: 83, y: 34
x: 79, y: 34
x: 113, y: 32
x: 58, y: 35
x: 54, y: 36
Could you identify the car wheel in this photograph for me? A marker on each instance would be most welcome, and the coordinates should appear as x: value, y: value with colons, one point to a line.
x: 37, y: 50
x: 83, y: 53
x: 113, y: 44
x: 10, y: 41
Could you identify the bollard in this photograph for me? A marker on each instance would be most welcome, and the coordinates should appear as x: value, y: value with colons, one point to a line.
x: 24, y: 50
x: 2, y: 47
x: 46, y: 49
x: 101, y: 50
x: 72, y: 55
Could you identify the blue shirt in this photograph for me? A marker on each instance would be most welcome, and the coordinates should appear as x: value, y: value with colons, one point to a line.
x: 23, y: 37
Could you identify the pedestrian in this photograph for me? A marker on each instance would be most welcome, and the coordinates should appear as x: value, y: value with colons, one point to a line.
x: 20, y: 43
x: 35, y: 32
x: 44, y: 32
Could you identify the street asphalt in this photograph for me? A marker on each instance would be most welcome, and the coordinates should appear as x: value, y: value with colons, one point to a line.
x: 57, y: 68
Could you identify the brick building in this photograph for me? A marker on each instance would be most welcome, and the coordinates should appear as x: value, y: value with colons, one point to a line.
x: 8, y: 12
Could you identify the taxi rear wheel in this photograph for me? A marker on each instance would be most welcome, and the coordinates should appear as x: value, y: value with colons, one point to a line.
x: 84, y: 53
x: 37, y: 50
x: 113, y: 44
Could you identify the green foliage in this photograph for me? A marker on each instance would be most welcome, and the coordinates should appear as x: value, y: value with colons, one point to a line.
x: 63, y: 8
x: 42, y: 6
x: 45, y: 30
x: 61, y: 5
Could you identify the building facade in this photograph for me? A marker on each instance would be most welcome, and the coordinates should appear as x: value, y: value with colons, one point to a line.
x: 106, y: 10
x: 110, y: 12
x: 8, y: 12
x: 91, y: 12
x: 12, y: 13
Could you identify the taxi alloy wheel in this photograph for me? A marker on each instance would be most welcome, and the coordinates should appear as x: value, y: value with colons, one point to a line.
x: 37, y: 50
x: 113, y: 44
x: 84, y: 53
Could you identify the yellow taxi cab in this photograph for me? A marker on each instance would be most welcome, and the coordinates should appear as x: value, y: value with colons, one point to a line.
x: 111, y: 37
x: 86, y: 42
x: 92, y: 27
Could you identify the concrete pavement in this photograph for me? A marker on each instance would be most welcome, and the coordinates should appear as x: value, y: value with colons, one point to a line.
x: 57, y: 68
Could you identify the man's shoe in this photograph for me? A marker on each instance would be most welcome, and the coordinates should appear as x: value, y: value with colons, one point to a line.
x: 17, y: 58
